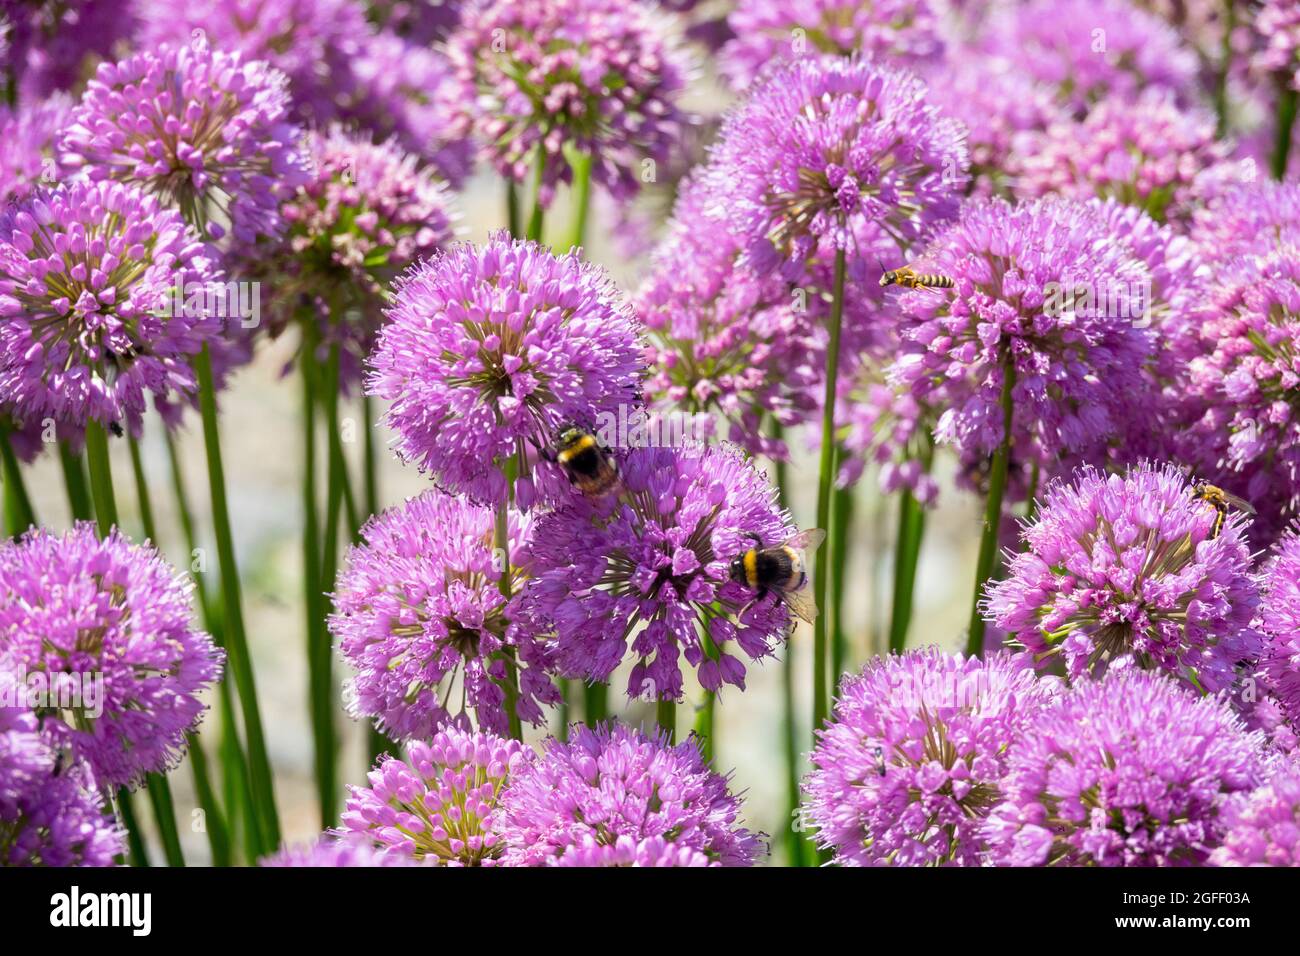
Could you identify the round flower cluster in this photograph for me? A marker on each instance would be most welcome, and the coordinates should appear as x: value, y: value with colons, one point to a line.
x: 546, y: 78
x: 900, y: 31
x: 1146, y: 153
x: 1278, y: 24
x: 196, y: 126
x: 911, y: 763
x: 438, y: 804
x: 368, y: 212
x: 1280, y: 622
x: 88, y: 280
x: 615, y: 787
x: 108, y: 625
x: 1263, y: 828
x: 1042, y: 296
x: 660, y: 559
x: 49, y: 44
x: 418, y: 613
x: 1129, y: 568
x: 27, y: 141
x: 353, y: 850
x: 1132, y: 770
x: 628, y: 851
x: 489, y: 349
x: 1246, y: 217
x: 840, y: 151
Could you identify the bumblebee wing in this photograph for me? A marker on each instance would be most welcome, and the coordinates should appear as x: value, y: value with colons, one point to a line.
x: 1243, y: 506
x: 809, y: 540
x: 801, y: 604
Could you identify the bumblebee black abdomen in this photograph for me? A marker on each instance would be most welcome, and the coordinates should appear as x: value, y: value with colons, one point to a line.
x: 773, y: 568
x: 584, y: 457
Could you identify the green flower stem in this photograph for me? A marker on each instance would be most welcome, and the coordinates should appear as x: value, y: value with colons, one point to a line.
x: 580, y: 163
x: 237, y: 797
x: 19, y: 514
x: 214, y: 822
x: 705, y: 727
x: 74, y: 480
x: 142, y: 491
x: 666, y: 718
x: 795, y: 846
x: 240, y: 663
x: 512, y: 209
x: 501, y: 544
x: 1287, y: 98
x: 535, y: 221
x: 993, y: 511
x: 135, y: 848
x: 907, y: 556
x: 1224, y: 68
x: 595, y: 703
x: 825, y: 486
x: 160, y: 797
x: 379, y: 744
x: 842, y: 507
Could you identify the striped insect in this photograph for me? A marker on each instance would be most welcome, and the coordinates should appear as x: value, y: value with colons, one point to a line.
x: 781, y: 570
x: 587, y: 463
x: 1221, y: 501
x: 908, y: 278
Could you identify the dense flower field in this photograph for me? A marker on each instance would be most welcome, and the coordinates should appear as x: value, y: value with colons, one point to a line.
x: 1039, y: 257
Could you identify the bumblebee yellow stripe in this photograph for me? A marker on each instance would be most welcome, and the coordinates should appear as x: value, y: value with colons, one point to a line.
x: 751, y: 568
x: 581, y: 445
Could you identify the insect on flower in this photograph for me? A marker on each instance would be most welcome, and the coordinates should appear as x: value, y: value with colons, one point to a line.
x: 908, y: 278
x: 586, y: 461
x: 1220, y: 501
x: 781, y: 570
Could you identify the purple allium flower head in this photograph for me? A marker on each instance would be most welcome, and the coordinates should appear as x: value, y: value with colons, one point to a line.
x: 490, y: 348
x: 421, y: 21
x: 1280, y: 622
x: 1131, y: 770
x: 905, y: 32
x: 27, y: 142
x: 1147, y: 153
x: 612, y: 782
x: 837, y: 150
x: 25, y: 756
x: 198, y: 127
x: 1078, y: 357
x: 882, y: 424
x: 597, y: 76
x: 418, y: 610
x: 88, y: 275
x: 49, y: 44
x: 1235, y: 343
x: 911, y: 762
x: 723, y: 339
x: 352, y: 850
x: 438, y: 804
x: 1278, y: 24
x: 1125, y: 568
x: 109, y: 620
x: 1263, y: 828
x: 660, y: 559
x: 1248, y: 217
x: 628, y: 851
x: 1088, y: 49
x: 58, y: 821
x: 368, y: 213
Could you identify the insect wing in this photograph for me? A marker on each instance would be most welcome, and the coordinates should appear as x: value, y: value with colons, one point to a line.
x: 1243, y: 506
x: 801, y: 604
x: 809, y: 540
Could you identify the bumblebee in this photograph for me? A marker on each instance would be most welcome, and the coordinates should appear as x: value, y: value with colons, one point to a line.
x: 909, y: 278
x: 588, y: 463
x: 780, y: 570
x: 1220, y: 501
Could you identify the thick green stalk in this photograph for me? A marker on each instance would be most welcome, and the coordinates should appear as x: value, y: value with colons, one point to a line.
x: 214, y: 821
x: 142, y: 491
x: 101, y: 478
x: 1224, y: 68
x: 911, y: 528
x: 136, y: 851
x: 164, y: 811
x: 666, y: 718
x: 240, y: 663
x: 704, y: 724
x: 19, y: 514
x: 501, y: 544
x: 993, y: 510
x: 825, y: 486
x: 512, y: 209
x: 74, y: 480
x: 1287, y: 98
x: 580, y: 163
x: 535, y: 221
x: 842, y: 507
x: 238, y: 799
x: 595, y: 703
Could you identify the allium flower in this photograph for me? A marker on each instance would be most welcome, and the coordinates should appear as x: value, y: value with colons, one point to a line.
x: 49, y: 43
x: 420, y: 21
x: 25, y: 757
x: 367, y: 214
x: 1263, y: 827
x: 1125, y: 567
x: 490, y: 348
x: 837, y: 150
x: 723, y: 339
x: 1250, y: 217
x: 597, y: 76
x: 27, y: 140
x: 197, y: 126
x: 900, y: 31
x: 1128, y: 771
x: 1088, y: 49
x: 59, y: 821
x: 108, y: 624
x: 628, y: 851
x: 1280, y: 621
x: 659, y: 560
x: 438, y: 804
x: 418, y: 611
x: 88, y: 324
x: 1043, y: 286
x: 612, y: 783
x: 1145, y: 152
x: 1236, y: 343
x: 911, y: 762
x: 353, y: 850
x: 1278, y: 24
x: 883, y: 425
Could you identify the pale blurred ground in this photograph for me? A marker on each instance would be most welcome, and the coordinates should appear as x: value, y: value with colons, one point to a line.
x: 261, y: 441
